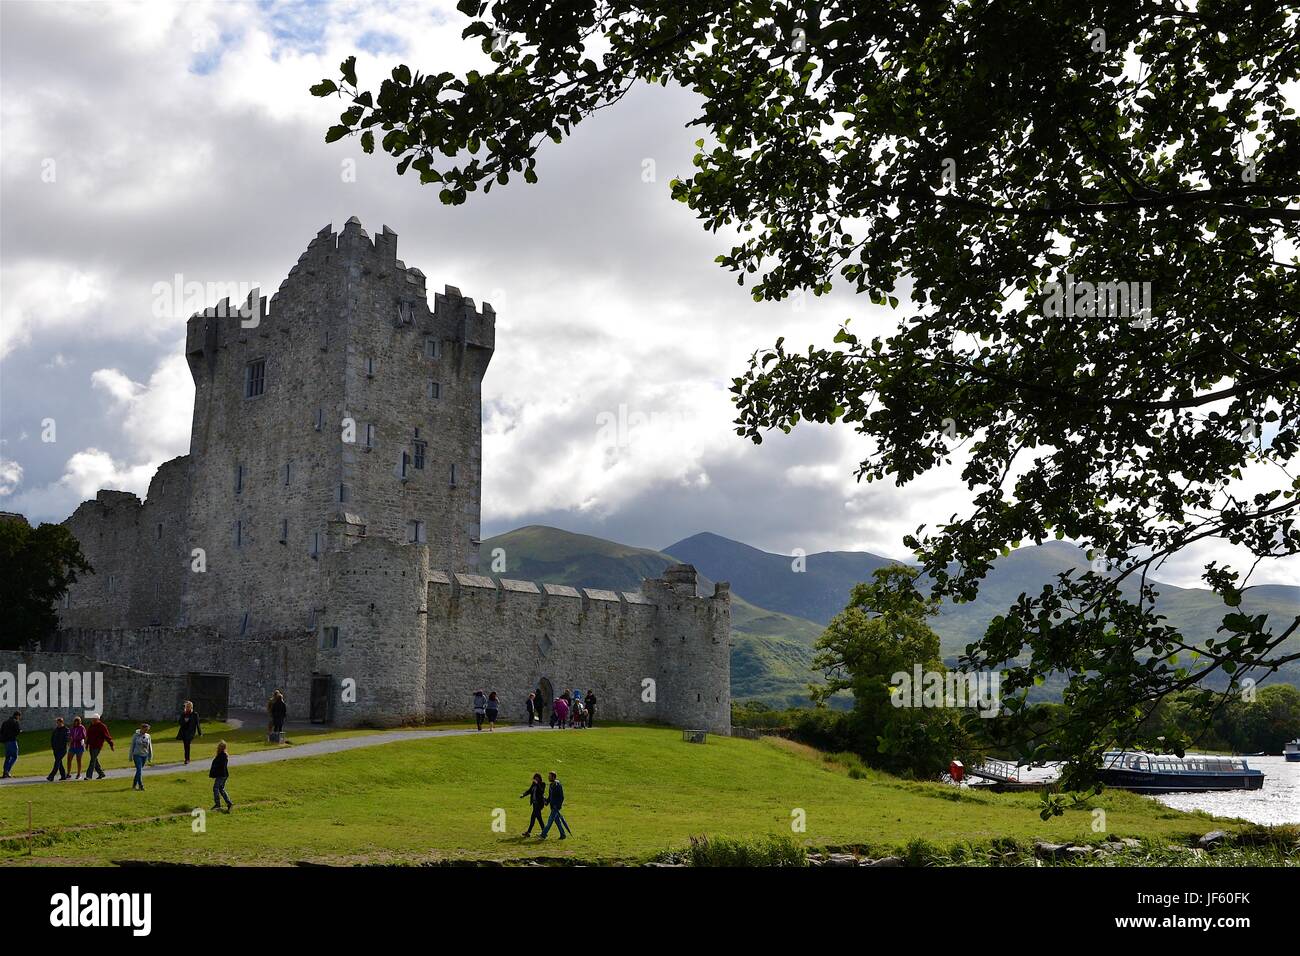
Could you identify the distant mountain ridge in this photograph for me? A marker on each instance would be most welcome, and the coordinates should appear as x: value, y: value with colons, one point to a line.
x: 778, y: 613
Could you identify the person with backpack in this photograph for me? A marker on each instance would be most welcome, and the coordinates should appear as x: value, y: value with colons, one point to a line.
x: 219, y: 772
x: 190, y: 727
x: 96, y: 736
x: 59, y: 745
x: 76, y: 744
x: 537, y: 794
x: 141, y: 753
x: 556, y: 800
x: 493, y: 708
x: 480, y: 708
x: 9, y: 732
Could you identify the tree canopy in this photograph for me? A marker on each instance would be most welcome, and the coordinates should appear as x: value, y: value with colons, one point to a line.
x: 36, y: 567
x: 1083, y: 212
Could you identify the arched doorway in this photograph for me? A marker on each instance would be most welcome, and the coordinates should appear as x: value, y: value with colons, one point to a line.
x: 546, y: 693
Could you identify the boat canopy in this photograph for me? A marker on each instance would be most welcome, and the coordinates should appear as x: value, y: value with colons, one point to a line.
x: 1153, y: 763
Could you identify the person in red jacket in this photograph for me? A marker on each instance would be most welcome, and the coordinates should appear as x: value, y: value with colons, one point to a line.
x: 96, y: 736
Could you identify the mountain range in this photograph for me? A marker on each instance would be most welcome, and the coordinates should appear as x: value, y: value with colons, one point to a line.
x: 778, y: 612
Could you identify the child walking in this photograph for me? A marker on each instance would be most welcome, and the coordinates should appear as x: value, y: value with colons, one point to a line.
x: 220, y: 773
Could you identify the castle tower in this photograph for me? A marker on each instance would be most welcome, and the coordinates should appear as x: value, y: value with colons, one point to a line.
x: 347, y: 406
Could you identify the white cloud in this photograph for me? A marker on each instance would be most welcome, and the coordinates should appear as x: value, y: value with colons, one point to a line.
x: 11, y: 476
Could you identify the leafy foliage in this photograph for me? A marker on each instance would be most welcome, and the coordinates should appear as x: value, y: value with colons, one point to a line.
x: 883, y: 632
x: 36, y: 567
x: 969, y: 157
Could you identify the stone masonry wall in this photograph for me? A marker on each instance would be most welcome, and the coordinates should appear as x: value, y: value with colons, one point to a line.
x: 257, y: 666
x: 509, y: 636
x: 321, y: 504
x: 376, y: 610
x: 128, y: 694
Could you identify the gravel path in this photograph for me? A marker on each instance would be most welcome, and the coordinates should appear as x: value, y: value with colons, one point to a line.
x: 293, y: 752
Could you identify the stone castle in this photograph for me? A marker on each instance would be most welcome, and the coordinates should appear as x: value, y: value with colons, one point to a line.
x: 322, y: 535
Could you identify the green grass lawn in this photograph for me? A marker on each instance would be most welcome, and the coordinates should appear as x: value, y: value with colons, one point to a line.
x: 36, y: 758
x: 632, y: 792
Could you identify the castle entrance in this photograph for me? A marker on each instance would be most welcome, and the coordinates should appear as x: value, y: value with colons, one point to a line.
x: 320, y: 698
x: 544, y: 685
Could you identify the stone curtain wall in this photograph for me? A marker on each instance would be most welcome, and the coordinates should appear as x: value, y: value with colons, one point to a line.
x: 508, y: 636
x: 256, y: 666
x: 129, y: 694
x: 139, y: 553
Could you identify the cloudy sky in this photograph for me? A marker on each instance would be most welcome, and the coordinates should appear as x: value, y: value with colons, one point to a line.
x: 145, y: 142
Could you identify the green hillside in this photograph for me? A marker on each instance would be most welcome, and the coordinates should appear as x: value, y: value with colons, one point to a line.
x: 770, y: 653
x: 821, y: 591
x: 632, y: 793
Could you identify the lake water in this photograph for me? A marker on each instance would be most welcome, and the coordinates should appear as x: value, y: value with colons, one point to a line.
x: 1278, y: 802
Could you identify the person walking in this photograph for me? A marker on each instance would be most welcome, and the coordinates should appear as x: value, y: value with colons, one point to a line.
x: 591, y: 707
x: 559, y: 712
x: 537, y: 794
x: 76, y: 744
x: 480, y: 708
x: 96, y: 736
x: 9, y: 732
x: 190, y: 727
x: 141, y: 753
x: 556, y: 800
x: 531, y: 705
x: 493, y: 708
x: 278, y: 710
x: 59, y: 744
x: 220, y: 773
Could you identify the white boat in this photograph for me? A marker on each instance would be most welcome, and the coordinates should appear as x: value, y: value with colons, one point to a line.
x: 1292, y: 751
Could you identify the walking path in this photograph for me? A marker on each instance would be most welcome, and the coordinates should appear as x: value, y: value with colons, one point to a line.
x: 337, y: 745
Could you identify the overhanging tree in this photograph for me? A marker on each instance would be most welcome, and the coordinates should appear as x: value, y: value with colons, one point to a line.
x: 959, y: 162
x: 36, y: 567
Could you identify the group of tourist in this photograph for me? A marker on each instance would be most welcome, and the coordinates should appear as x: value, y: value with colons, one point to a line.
x: 70, y: 743
x: 570, y: 709
x: 66, y: 742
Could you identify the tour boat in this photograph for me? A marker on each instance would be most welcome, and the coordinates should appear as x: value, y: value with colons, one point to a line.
x: 1152, y: 773
x: 1292, y: 751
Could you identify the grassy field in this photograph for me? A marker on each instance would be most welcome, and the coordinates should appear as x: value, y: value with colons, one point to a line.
x: 633, y: 792
x: 36, y: 758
